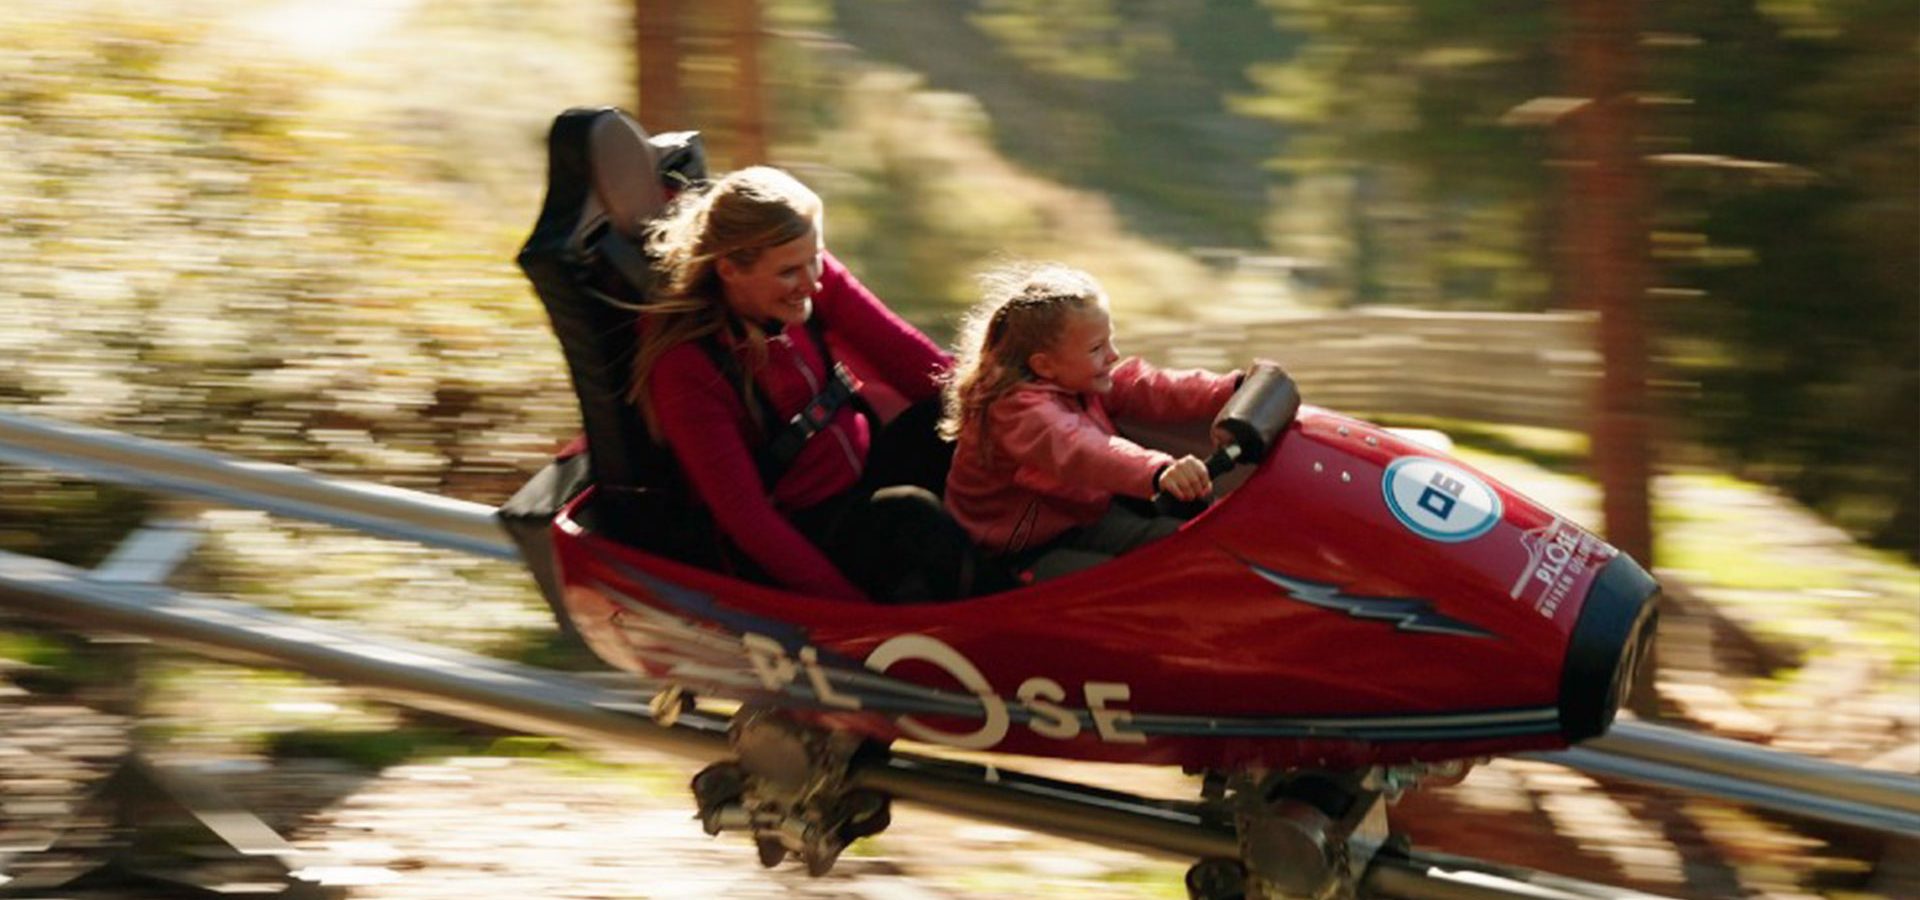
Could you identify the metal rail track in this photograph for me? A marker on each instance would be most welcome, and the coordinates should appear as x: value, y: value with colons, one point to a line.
x: 517, y: 697
x: 285, y: 490
x: 1663, y: 757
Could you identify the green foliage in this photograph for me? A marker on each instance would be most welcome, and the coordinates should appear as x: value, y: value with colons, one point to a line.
x: 554, y: 650
x: 36, y: 650
x: 1075, y: 39
x: 1397, y: 107
x: 67, y: 520
x: 1796, y: 236
x: 219, y: 228
x: 1557, y: 451
x: 370, y: 749
x: 1166, y: 880
x: 1810, y: 278
x: 1127, y: 98
x: 919, y: 203
x: 213, y: 237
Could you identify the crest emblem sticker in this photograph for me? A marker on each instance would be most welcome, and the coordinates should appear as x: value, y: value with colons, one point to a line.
x: 1438, y: 500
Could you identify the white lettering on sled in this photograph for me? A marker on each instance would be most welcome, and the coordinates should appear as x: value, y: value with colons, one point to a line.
x: 1041, y: 698
x: 1108, y: 722
x: 919, y: 646
x: 1558, y: 553
x: 769, y: 660
x: 822, y: 688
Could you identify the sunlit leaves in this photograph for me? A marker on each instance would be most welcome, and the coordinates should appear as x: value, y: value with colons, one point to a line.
x: 1092, y: 39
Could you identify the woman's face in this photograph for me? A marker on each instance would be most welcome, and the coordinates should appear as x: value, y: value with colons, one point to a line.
x: 779, y: 284
x: 1081, y: 359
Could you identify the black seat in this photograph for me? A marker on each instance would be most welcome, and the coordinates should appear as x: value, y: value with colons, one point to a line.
x: 604, y: 183
x: 606, y: 178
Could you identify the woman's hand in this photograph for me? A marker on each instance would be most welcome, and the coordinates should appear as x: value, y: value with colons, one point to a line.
x: 1186, y: 479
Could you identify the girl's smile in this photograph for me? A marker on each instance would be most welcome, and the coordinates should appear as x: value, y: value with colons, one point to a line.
x: 1081, y: 359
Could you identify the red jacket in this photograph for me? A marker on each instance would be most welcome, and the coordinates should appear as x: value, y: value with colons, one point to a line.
x: 705, y: 423
x: 1056, y: 460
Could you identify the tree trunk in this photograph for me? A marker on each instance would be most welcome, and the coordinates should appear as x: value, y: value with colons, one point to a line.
x: 1608, y: 268
x: 1608, y: 257
x: 657, y: 37
x: 748, y: 104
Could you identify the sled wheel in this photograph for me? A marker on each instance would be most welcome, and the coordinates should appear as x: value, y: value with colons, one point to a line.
x: 718, y: 785
x: 771, y: 851
x: 867, y: 813
x: 1217, y: 878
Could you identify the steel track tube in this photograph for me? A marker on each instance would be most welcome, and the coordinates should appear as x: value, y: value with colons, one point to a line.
x: 1800, y: 803
x: 413, y: 674
x: 285, y: 490
x: 1438, y: 876
x: 1054, y: 807
x: 1745, y: 762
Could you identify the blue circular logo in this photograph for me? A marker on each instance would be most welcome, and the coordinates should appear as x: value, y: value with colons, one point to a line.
x: 1438, y: 500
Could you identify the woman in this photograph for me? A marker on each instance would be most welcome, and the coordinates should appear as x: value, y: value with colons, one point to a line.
x: 731, y: 354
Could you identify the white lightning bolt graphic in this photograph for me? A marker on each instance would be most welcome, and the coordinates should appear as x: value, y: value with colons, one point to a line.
x: 1409, y: 613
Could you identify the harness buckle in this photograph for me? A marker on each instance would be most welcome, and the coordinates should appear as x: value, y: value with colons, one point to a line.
x: 819, y: 412
x: 816, y: 414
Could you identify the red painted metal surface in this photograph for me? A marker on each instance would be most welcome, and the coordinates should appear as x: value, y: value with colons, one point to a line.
x: 1299, y: 621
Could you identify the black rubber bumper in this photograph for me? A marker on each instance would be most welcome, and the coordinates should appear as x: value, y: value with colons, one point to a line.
x: 1612, y: 636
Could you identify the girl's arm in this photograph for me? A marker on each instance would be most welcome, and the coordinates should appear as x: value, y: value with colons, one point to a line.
x: 699, y: 414
x: 903, y: 357
x: 1149, y: 394
x: 1055, y: 448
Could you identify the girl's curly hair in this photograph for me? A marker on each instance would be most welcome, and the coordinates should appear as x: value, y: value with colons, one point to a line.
x: 1023, y: 310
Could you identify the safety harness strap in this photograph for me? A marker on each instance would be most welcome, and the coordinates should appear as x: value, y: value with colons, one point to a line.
x: 812, y: 418
x: 774, y: 456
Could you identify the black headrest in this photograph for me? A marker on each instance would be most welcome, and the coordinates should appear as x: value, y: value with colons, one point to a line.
x: 622, y: 167
x: 603, y: 167
x: 605, y: 178
x: 621, y: 158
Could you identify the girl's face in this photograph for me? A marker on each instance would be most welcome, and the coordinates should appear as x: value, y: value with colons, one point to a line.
x: 1081, y: 358
x: 779, y: 284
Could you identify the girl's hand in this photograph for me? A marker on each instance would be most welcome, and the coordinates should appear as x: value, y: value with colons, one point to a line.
x: 1186, y: 479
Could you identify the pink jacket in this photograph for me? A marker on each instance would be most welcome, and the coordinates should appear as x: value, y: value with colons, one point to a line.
x: 1056, y: 461
x: 704, y: 422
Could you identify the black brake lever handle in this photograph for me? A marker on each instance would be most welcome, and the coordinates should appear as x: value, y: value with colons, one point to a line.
x: 1223, y: 460
x: 1219, y: 463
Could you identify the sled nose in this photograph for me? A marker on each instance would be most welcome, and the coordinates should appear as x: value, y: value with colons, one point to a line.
x: 1609, y: 640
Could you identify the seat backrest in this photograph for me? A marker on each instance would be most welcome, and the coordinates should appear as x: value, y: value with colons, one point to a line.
x: 605, y: 180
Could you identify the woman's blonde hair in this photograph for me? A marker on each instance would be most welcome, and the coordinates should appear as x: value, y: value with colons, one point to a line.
x: 736, y: 217
x: 1024, y: 309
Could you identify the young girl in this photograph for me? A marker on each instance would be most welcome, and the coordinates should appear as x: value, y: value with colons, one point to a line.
x: 1031, y: 403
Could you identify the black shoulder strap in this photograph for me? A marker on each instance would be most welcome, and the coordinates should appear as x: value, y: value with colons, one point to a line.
x: 812, y: 419
x: 774, y: 456
x: 837, y: 372
x: 723, y: 359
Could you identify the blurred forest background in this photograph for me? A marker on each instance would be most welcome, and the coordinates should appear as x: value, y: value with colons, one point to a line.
x: 284, y: 230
